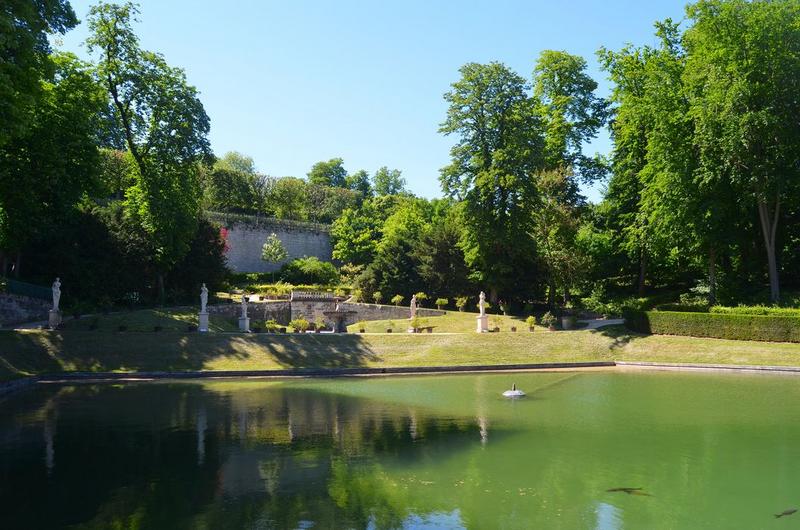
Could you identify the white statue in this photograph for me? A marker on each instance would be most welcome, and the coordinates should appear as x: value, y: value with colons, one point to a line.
x: 56, y: 293
x: 413, y: 306
x: 203, y: 298
x: 482, y: 303
x: 244, y: 306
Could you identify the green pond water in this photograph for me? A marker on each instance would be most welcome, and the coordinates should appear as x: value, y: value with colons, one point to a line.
x: 707, y: 451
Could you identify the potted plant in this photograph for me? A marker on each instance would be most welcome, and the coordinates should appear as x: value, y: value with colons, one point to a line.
x: 378, y: 297
x: 319, y: 324
x: 496, y: 324
x: 461, y: 303
x: 531, y: 322
x: 397, y: 299
x: 549, y: 320
x: 362, y: 326
x: 414, y: 324
x: 300, y: 324
x: 513, y: 329
x: 421, y: 297
x: 391, y: 327
x: 503, y: 307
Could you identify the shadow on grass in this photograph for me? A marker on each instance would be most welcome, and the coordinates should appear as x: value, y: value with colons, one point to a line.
x: 31, y: 352
x: 620, y: 335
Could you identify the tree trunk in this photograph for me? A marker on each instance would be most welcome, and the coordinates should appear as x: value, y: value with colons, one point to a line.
x: 161, y: 289
x: 769, y: 225
x: 17, y: 267
x: 642, y: 271
x: 712, y: 276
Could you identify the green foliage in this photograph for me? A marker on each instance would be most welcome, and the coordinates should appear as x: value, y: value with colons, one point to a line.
x: 441, y: 302
x: 388, y: 182
x: 300, y: 324
x: 461, y: 302
x: 165, y: 128
x: 309, y: 270
x: 24, y: 58
x: 770, y: 328
x: 421, y: 297
x: 756, y: 310
x: 377, y: 296
x: 498, y: 148
x: 398, y: 299
x: 549, y: 320
x: 530, y: 321
x: 48, y: 168
x: 273, y: 250
x: 415, y: 323
x: 330, y: 173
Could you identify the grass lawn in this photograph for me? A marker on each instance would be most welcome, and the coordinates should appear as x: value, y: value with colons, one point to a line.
x: 451, y: 322
x: 29, y: 352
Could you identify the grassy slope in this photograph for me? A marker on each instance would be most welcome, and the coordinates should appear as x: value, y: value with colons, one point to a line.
x: 36, y: 351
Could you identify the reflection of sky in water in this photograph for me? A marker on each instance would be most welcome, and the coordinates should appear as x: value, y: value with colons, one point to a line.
x: 431, y: 521
x: 608, y: 517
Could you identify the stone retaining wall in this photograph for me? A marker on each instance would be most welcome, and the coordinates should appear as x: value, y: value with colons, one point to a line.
x: 16, y: 309
x: 246, y: 235
x: 280, y: 311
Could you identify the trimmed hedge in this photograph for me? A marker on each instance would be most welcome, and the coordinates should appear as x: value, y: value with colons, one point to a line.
x: 756, y: 310
x: 770, y: 328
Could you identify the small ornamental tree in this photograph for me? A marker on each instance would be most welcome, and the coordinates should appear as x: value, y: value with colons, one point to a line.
x: 421, y: 297
x: 398, y: 299
x: 461, y: 302
x: 440, y: 302
x: 377, y: 296
x: 273, y: 251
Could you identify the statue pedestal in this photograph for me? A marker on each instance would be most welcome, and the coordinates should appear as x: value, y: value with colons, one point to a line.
x: 483, y: 324
x: 54, y: 319
x: 244, y: 324
x: 203, y: 324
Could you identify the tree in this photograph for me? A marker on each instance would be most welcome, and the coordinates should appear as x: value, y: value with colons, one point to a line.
x: 288, y: 199
x: 388, y: 181
x: 273, y: 251
x: 355, y: 234
x: 25, y: 58
x: 236, y: 161
x: 743, y: 77
x: 496, y: 155
x: 47, y: 168
x: 441, y: 302
x: 571, y: 113
x: 359, y: 182
x: 397, y: 299
x: 440, y: 259
x: 165, y: 129
x: 330, y: 173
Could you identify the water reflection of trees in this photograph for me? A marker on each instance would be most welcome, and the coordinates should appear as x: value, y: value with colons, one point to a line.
x: 179, y: 456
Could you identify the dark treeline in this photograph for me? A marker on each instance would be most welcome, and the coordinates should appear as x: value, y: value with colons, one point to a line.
x: 107, y: 170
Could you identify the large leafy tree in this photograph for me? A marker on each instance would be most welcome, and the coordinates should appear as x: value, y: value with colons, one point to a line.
x: 24, y: 57
x: 743, y: 77
x: 389, y: 181
x: 47, y: 169
x: 570, y: 111
x: 329, y: 173
x: 165, y: 128
x: 497, y: 153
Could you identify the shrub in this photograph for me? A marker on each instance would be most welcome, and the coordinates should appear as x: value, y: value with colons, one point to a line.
x: 530, y: 321
x: 377, y: 296
x: 771, y: 328
x: 300, y: 323
x: 271, y: 325
x: 415, y: 323
x: 461, y: 302
x: 362, y: 325
x: 683, y: 308
x: 421, y: 297
x: 309, y: 270
x: 357, y: 295
x: 397, y: 299
x: 549, y: 320
x: 441, y: 302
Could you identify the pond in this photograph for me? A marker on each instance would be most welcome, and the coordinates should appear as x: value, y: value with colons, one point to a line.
x: 603, y: 449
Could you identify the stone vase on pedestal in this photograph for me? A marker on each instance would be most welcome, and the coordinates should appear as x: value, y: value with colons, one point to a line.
x: 54, y: 318
x: 244, y: 324
x: 203, y: 324
x: 483, y: 324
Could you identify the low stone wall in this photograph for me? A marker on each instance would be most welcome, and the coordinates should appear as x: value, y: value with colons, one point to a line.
x: 280, y: 311
x: 16, y: 309
x: 386, y: 312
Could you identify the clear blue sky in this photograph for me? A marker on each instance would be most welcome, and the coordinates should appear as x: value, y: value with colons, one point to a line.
x: 293, y: 82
